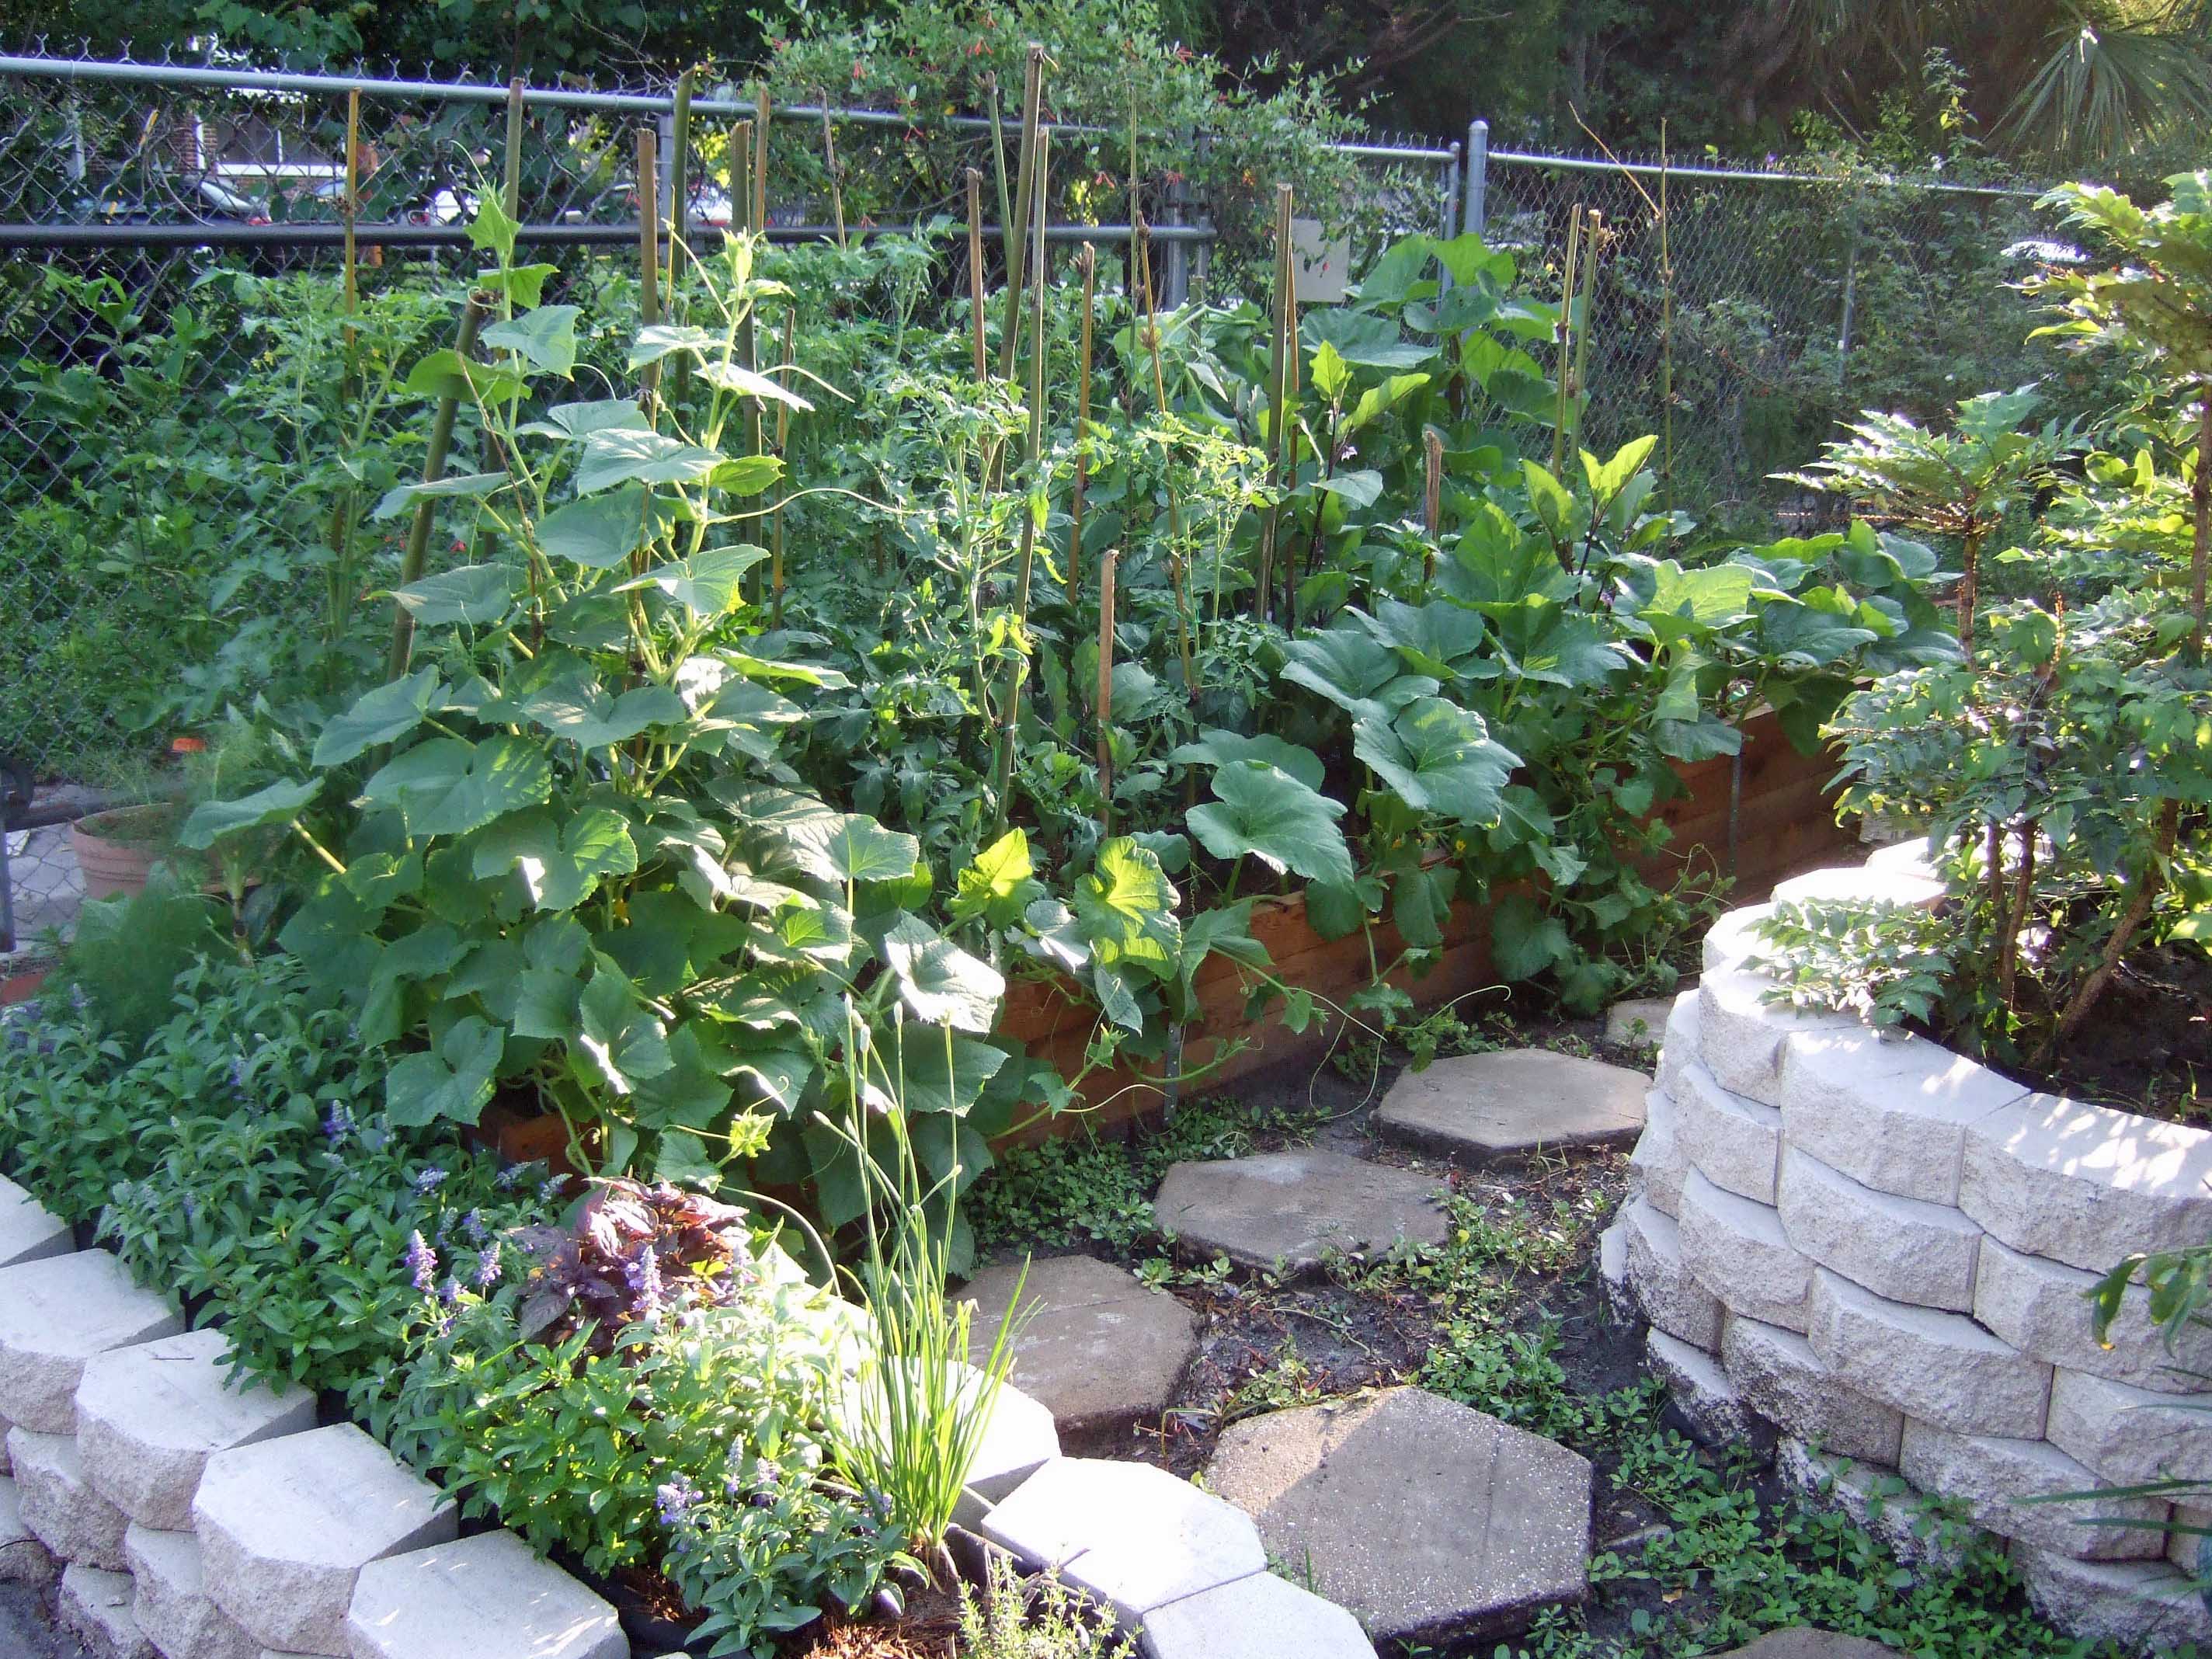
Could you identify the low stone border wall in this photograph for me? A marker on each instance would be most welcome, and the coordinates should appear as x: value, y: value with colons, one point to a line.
x: 1880, y: 1249
x: 192, y: 1520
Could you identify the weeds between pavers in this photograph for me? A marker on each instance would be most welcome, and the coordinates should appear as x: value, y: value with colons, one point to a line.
x: 1695, y: 1550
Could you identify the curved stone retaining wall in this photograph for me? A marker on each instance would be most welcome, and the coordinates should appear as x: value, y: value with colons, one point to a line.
x: 1880, y: 1249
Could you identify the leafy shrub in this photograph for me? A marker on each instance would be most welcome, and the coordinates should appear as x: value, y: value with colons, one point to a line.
x: 685, y: 1440
x: 243, y: 1162
x: 1888, y: 963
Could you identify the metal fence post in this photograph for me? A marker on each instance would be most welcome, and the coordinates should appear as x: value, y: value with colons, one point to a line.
x: 1851, y: 292
x: 667, y: 124
x: 1477, y: 218
x: 1175, y: 283
x: 1451, y: 194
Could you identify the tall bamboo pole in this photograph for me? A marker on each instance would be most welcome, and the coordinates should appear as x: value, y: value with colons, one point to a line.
x: 352, y: 205
x: 1106, y: 563
x: 1086, y: 262
x: 1284, y: 331
x: 648, y: 254
x: 1016, y: 263
x: 975, y: 272
x: 679, y: 213
x: 1565, y: 333
x: 1033, y: 483
x: 782, y: 442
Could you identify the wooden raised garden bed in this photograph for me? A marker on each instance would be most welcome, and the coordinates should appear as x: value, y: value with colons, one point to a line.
x: 1784, y: 822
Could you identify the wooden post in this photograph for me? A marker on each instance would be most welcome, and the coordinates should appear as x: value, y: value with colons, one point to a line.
x: 1025, y: 188
x: 782, y: 440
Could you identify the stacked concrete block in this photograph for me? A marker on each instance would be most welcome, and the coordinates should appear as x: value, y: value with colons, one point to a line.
x: 192, y: 1519
x: 1900, y: 1240
x: 55, y: 1313
x: 1184, y: 1570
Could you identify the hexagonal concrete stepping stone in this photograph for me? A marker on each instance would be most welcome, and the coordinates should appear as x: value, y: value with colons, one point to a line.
x: 1426, y: 1519
x: 1477, y: 1108
x: 1292, y: 1209
x: 1096, y: 1345
x: 149, y: 1417
x: 485, y: 1597
x: 1806, y: 1643
x: 1128, y: 1536
x: 27, y: 1231
x: 171, y: 1602
x: 95, y: 1608
x: 286, y: 1526
x: 58, y: 1505
x: 1261, y: 1617
x: 55, y: 1313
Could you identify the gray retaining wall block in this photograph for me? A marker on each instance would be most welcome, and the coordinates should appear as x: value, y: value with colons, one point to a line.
x: 286, y: 1526
x: 149, y: 1417
x: 1891, y: 1115
x: 2084, y: 1185
x: 486, y: 1598
x: 59, y: 1505
x: 55, y: 1313
x: 1940, y: 1367
x: 1904, y: 1248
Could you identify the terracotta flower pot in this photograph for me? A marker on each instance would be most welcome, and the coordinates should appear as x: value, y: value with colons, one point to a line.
x: 117, y: 849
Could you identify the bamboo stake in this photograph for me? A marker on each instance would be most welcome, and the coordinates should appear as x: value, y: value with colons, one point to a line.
x: 1666, y: 334
x: 1010, y: 713
x: 648, y: 254
x: 782, y: 441
x: 1432, y: 500
x: 417, y: 550
x: 1106, y: 564
x: 1263, y: 594
x: 741, y: 174
x: 830, y: 159
x: 352, y: 220
x: 1564, y: 334
x: 510, y: 193
x: 975, y: 272
x: 1087, y: 262
x: 679, y: 216
x: 999, y: 166
x: 1593, y: 240
x: 1017, y: 232
x: 1176, y: 574
x: 763, y: 114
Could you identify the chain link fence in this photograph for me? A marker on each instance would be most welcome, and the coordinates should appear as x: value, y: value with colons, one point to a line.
x: 1762, y: 307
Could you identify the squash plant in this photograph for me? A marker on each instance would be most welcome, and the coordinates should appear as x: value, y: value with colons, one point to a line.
x: 561, y: 852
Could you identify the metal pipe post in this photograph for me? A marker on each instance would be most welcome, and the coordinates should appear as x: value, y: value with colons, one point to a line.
x: 1476, y: 206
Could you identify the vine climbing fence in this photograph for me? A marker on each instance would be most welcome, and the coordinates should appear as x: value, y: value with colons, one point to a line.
x: 142, y: 204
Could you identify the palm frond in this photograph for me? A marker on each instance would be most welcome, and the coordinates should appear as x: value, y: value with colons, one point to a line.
x: 2116, y: 77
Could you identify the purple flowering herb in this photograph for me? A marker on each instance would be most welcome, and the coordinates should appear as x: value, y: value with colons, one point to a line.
x: 488, y: 1268
x: 238, y: 1074
x: 450, y: 1291
x: 428, y: 1179
x: 337, y: 1122
x: 644, y: 1276
x: 422, y: 1263
x: 674, y: 1499
x: 472, y: 1224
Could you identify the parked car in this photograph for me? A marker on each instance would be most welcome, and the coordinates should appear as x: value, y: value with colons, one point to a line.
x: 164, y: 200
